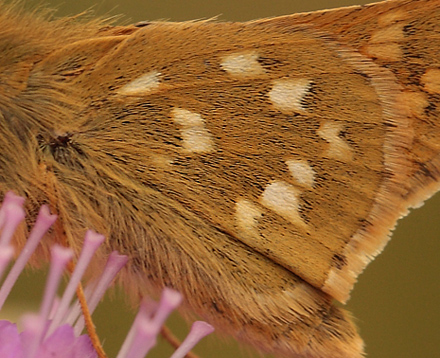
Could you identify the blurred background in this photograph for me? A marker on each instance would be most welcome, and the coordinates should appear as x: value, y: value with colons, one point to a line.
x: 396, y: 300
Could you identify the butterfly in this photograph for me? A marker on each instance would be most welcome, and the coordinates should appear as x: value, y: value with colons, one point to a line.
x: 255, y: 167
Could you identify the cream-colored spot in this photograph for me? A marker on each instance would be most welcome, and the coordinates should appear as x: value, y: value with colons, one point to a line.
x: 196, y: 137
x: 282, y: 198
x: 391, y: 17
x: 384, y: 43
x: 338, y: 148
x: 247, y: 215
x: 141, y: 85
x: 431, y: 80
x: 388, y: 34
x: 187, y: 118
x: 161, y: 161
x: 414, y: 103
x: 287, y: 94
x: 301, y: 171
x: 242, y: 64
x: 387, y: 52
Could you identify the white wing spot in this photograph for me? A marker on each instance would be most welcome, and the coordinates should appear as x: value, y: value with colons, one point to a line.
x: 247, y: 215
x: 302, y: 172
x: 338, y: 148
x: 287, y: 94
x: 141, y: 85
x: 196, y: 137
x: 282, y: 198
x: 242, y: 64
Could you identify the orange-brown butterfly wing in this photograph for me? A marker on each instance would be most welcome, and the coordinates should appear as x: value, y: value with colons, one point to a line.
x: 224, y: 165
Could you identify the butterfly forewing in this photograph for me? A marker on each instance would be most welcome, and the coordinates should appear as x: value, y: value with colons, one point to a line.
x: 218, y: 141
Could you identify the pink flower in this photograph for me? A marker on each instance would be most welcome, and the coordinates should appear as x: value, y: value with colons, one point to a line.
x: 55, y: 331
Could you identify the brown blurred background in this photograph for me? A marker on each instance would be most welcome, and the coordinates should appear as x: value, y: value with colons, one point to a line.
x: 395, y: 302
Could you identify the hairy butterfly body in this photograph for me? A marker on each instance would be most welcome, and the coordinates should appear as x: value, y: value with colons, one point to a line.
x: 256, y: 167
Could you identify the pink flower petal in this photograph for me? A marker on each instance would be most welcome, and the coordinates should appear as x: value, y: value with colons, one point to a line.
x: 10, y: 342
